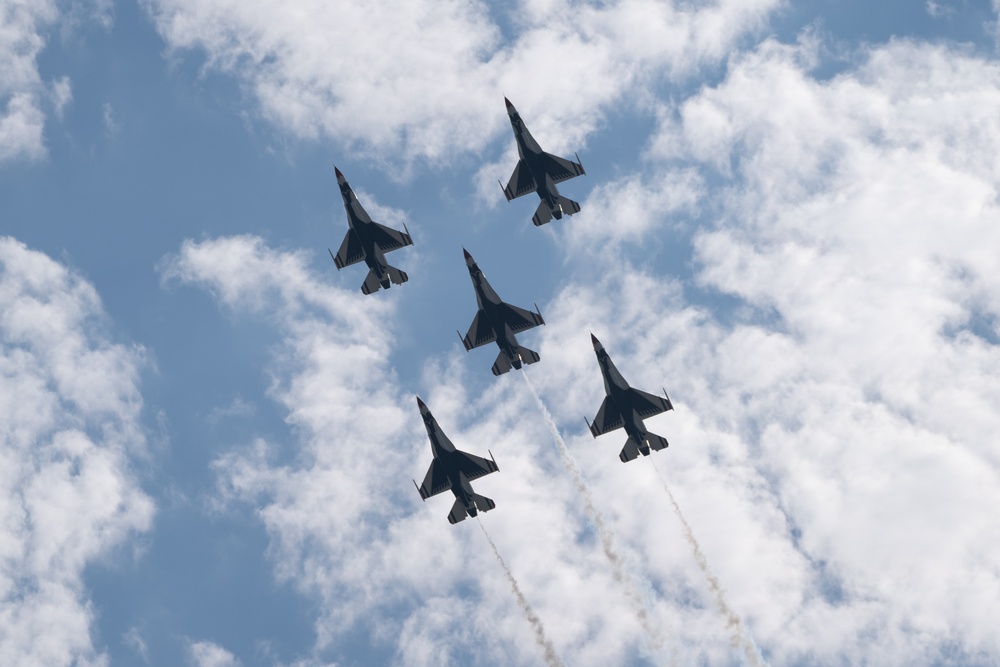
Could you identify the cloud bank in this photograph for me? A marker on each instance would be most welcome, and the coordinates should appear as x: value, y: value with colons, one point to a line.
x: 420, y: 79
x: 69, y: 424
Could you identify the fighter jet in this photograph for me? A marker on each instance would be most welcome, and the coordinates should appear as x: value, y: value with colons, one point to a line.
x: 369, y: 241
x: 453, y: 469
x: 538, y: 171
x: 498, y: 321
x: 624, y: 406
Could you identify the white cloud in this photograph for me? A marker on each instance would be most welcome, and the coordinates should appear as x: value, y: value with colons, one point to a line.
x: 424, y: 78
x: 833, y: 443
x: 346, y: 526
x: 69, y: 421
x: 207, y: 654
x: 853, y: 404
x: 22, y: 91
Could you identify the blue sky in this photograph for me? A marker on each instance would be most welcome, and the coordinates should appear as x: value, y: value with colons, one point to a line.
x: 789, y: 221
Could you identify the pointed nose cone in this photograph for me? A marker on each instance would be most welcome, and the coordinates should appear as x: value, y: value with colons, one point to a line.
x: 597, y: 343
x: 510, y: 107
x: 468, y: 258
x: 340, y: 176
x: 421, y: 405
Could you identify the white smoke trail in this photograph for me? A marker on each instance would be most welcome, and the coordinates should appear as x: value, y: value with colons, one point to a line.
x: 603, y: 532
x: 739, y: 637
x: 551, y: 659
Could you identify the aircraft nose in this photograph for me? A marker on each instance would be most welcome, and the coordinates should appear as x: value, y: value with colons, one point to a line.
x: 510, y: 107
x: 340, y: 176
x: 468, y: 257
x: 597, y: 343
x: 421, y: 405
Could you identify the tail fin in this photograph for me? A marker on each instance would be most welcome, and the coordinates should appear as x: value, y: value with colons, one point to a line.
x: 371, y: 283
x: 634, y: 447
x: 630, y: 451
x: 398, y: 277
x: 656, y: 442
x: 483, y: 504
x: 569, y: 207
x: 458, y: 512
x: 542, y: 214
x: 527, y: 356
x: 501, y: 365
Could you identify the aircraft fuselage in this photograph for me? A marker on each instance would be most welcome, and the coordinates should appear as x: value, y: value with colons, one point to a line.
x: 359, y: 222
x: 531, y: 153
x: 489, y: 302
x: 616, y: 387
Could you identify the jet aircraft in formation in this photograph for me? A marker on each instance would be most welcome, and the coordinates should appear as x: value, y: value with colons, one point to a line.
x: 369, y: 241
x: 454, y: 469
x: 624, y: 406
x: 538, y: 171
x: 498, y: 321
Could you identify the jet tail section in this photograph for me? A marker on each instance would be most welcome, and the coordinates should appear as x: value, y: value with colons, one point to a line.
x: 503, y: 364
x: 483, y: 504
x: 544, y: 213
x: 528, y: 356
x: 634, y: 447
x: 398, y: 277
x: 373, y: 284
x: 458, y: 512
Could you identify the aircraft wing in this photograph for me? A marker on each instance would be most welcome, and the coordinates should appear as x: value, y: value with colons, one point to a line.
x: 608, y: 418
x: 520, y: 319
x: 521, y: 182
x: 561, y: 169
x: 474, y: 467
x: 480, y: 333
x: 647, y: 405
x: 350, y: 251
x: 387, y: 238
x: 435, y: 482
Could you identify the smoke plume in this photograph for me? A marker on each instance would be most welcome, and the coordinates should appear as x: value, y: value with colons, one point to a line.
x: 740, y: 639
x: 551, y: 659
x: 603, y: 532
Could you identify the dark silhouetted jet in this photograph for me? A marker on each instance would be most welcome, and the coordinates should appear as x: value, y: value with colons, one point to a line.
x: 624, y: 406
x: 369, y: 241
x: 498, y: 321
x: 538, y: 171
x: 453, y: 469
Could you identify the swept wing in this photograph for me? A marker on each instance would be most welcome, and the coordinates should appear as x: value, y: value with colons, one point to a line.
x: 480, y: 333
x: 521, y: 182
x: 351, y: 251
x: 561, y: 169
x: 608, y: 418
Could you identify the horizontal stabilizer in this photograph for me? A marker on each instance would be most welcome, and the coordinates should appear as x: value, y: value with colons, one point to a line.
x: 502, y: 364
x: 458, y: 512
x: 483, y: 504
x: 372, y: 283
x: 569, y: 207
x: 528, y: 356
x: 398, y: 277
x: 656, y: 442
x: 633, y: 448
x: 542, y: 214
